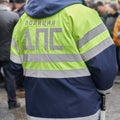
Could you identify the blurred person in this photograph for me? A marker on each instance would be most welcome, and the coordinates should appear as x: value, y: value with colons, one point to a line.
x: 111, y: 19
x: 88, y: 2
x: 11, y: 5
x: 93, y: 6
x: 101, y: 8
x: 67, y: 60
x: 8, y: 20
x: 118, y: 6
x: 84, y: 2
x: 20, y: 6
x: 116, y: 35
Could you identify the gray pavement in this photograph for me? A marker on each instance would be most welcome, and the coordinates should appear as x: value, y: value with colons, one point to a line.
x: 6, y: 114
x: 112, y: 113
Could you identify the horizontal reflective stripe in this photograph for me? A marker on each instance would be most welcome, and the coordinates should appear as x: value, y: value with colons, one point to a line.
x: 51, y: 57
x: 54, y: 65
x: 94, y: 42
x: 104, y: 91
x: 91, y: 34
x: 56, y: 73
x: 91, y: 117
x: 97, y: 49
x: 15, y: 59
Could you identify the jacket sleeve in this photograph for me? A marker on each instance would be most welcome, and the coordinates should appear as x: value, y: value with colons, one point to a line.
x: 98, y: 51
x: 15, y: 60
x: 16, y: 69
x: 103, y: 69
x: 15, y: 55
x: 116, y: 32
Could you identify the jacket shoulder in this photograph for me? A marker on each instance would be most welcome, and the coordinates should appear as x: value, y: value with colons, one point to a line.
x: 13, y: 14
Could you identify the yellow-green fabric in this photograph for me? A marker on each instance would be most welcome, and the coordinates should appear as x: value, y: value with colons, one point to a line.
x: 66, y: 35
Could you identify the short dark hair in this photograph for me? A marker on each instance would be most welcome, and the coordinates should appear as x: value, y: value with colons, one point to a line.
x: 99, y: 3
x: 93, y: 6
x: 19, y: 1
x: 113, y: 6
x: 12, y: 1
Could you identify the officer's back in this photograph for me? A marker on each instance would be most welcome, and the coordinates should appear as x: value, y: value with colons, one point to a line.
x: 68, y: 58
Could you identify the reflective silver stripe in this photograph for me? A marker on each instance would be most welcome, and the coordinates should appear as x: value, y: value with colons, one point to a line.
x: 104, y: 91
x: 56, y: 73
x: 52, y: 46
x: 15, y: 59
x: 97, y: 49
x: 45, y: 31
x: 52, y: 57
x: 91, y: 117
x: 27, y: 38
x: 13, y: 44
x: 91, y: 34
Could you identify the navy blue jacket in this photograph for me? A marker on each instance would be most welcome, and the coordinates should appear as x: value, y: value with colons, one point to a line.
x: 67, y: 97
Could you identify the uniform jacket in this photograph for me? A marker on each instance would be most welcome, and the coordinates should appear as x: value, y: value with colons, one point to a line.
x: 8, y: 20
x: 67, y: 57
x: 110, y: 22
x: 116, y: 32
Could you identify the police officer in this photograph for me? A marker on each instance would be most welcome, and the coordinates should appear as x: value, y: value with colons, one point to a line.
x: 68, y: 59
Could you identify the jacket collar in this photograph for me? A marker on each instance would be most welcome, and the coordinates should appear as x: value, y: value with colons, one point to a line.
x: 3, y: 7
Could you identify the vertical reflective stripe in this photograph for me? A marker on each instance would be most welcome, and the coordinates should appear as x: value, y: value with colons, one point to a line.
x: 45, y: 31
x: 14, y: 51
x: 91, y: 117
x: 52, y: 46
x: 14, y: 48
x: 91, y: 34
x: 13, y: 44
x: 27, y: 46
x: 14, y: 56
